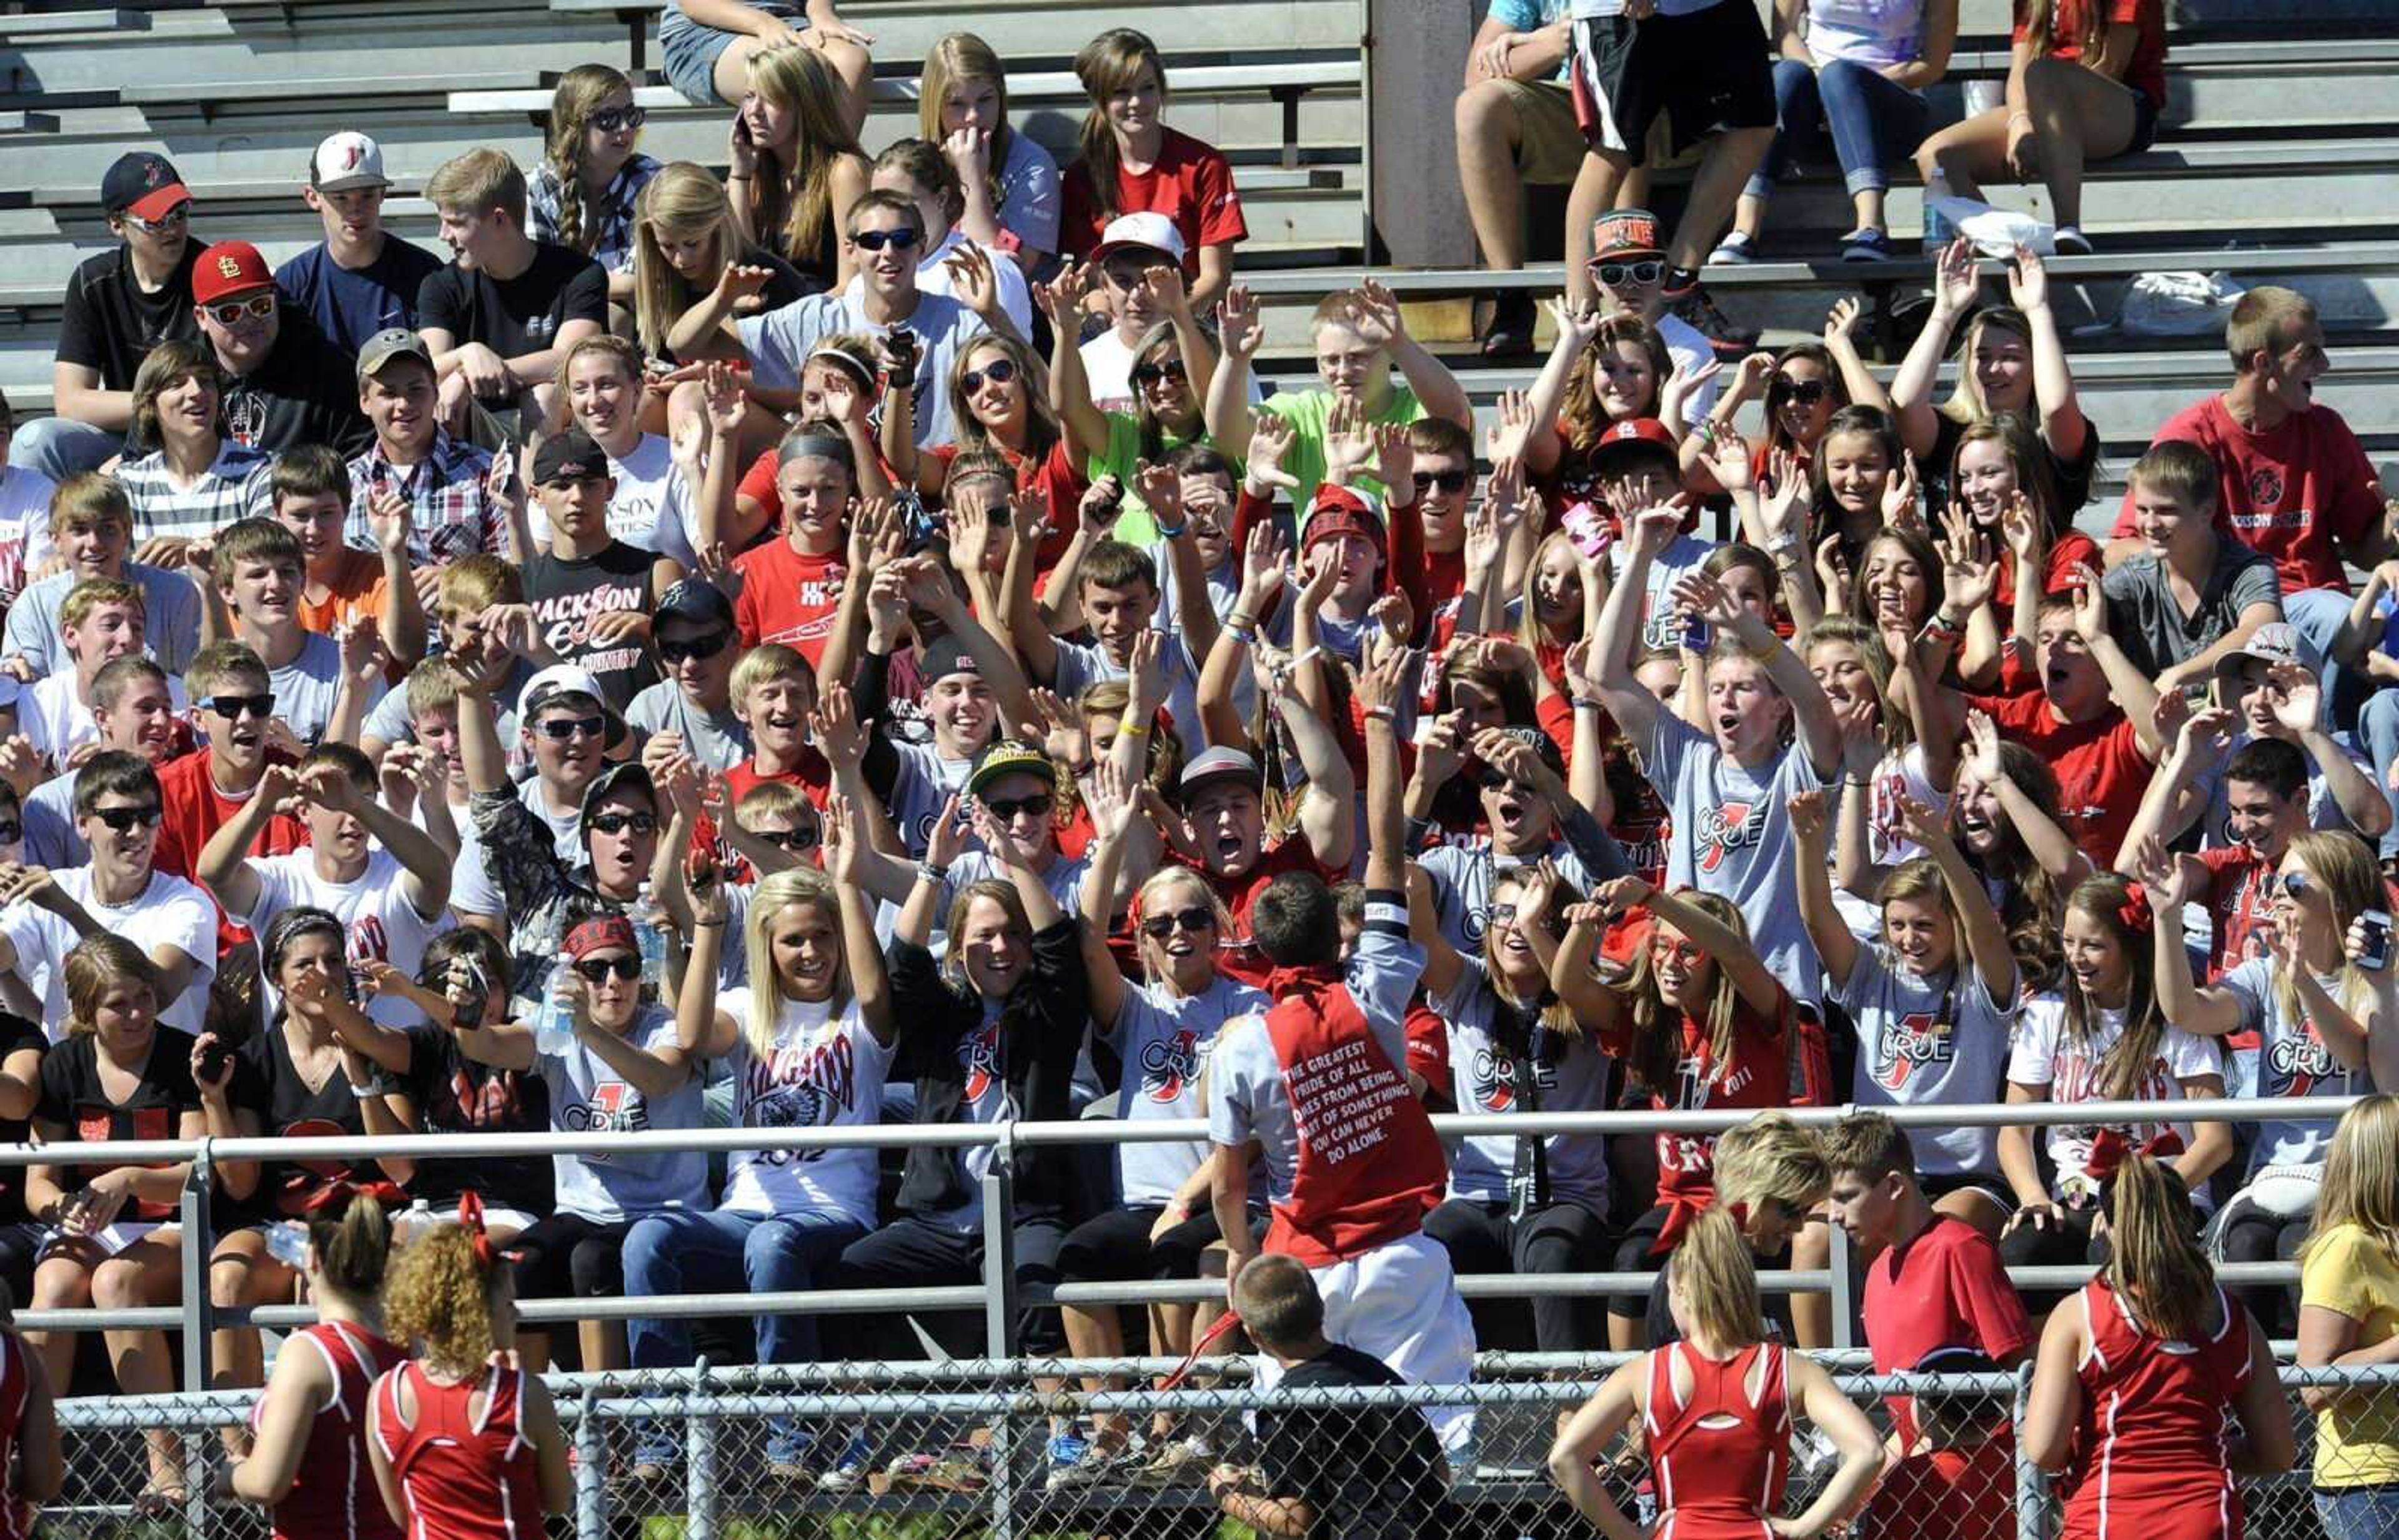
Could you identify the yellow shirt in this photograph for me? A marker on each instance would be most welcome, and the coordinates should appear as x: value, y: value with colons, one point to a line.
x: 2357, y: 1438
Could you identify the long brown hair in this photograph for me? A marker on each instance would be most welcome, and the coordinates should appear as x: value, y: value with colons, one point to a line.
x: 2155, y: 1262
x: 1581, y: 411
x: 2019, y: 439
x: 681, y: 202
x: 963, y: 59
x: 1110, y: 62
x: 2102, y: 898
x: 796, y: 200
x: 581, y: 91
x: 1657, y: 1055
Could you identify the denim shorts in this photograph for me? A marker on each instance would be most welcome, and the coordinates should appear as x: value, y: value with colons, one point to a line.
x: 690, y: 51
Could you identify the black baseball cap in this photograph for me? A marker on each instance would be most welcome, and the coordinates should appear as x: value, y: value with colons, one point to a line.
x: 143, y: 185
x: 568, y: 456
x: 947, y: 655
x: 697, y: 600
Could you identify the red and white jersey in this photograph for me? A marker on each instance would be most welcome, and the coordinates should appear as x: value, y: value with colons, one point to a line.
x: 1719, y: 1456
x: 2148, y: 1455
x: 334, y: 1494
x: 16, y: 1383
x: 461, y: 1477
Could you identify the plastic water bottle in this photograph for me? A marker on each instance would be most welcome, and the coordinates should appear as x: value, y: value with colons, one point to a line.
x: 650, y: 935
x: 1938, y: 232
x: 553, y: 1025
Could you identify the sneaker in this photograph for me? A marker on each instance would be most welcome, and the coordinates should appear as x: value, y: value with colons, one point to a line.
x: 956, y: 1471
x: 2072, y: 242
x: 1865, y: 246
x: 1067, y: 1448
x: 1176, y: 1462
x: 1511, y: 333
x: 1096, y: 1466
x: 1679, y: 282
x: 849, y: 1471
x: 1735, y: 250
x: 1698, y: 311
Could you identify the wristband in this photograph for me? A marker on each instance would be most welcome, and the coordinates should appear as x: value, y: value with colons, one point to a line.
x: 1174, y: 533
x: 1786, y: 541
x: 1584, y: 703
x: 708, y: 924
x: 1246, y: 635
x: 927, y: 872
x: 1079, y: 771
x: 1940, y: 629
x: 1133, y: 729
x: 1372, y: 713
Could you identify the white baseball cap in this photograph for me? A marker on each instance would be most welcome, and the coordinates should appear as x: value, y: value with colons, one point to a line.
x: 1148, y: 232
x: 346, y: 162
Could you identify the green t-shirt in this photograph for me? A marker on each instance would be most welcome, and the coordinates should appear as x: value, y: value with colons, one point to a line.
x: 1306, y: 411
x: 1134, y: 525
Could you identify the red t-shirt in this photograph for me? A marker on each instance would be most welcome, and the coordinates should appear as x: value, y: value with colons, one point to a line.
x: 1757, y: 1077
x: 1240, y: 955
x: 1191, y: 185
x: 787, y: 597
x: 2056, y: 574
x: 814, y: 777
x: 758, y: 485
x: 2146, y: 72
x: 2101, y: 771
x: 1947, y: 1288
x: 2291, y: 493
x: 192, y: 810
x: 1059, y: 480
x: 2239, y: 907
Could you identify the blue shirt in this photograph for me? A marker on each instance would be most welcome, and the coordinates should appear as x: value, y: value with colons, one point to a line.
x: 351, y: 306
x: 1531, y: 16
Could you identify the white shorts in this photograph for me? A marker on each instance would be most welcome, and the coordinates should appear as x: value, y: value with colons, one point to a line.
x: 1399, y: 1302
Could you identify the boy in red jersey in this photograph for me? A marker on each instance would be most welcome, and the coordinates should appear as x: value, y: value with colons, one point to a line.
x: 1934, y: 1286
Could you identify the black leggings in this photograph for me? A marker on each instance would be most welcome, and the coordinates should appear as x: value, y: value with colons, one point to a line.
x: 569, y: 1253
x: 1633, y: 1255
x: 1114, y: 1247
x: 1563, y: 1237
x: 2257, y: 1235
x: 2063, y: 1243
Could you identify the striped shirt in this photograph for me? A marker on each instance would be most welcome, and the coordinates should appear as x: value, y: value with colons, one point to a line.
x: 449, y: 514
x: 235, y: 487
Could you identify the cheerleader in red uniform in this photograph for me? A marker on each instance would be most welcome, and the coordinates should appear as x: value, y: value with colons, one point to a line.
x: 33, y: 1461
x: 466, y: 1443
x: 2134, y: 1373
x: 309, y: 1461
x: 1715, y: 1412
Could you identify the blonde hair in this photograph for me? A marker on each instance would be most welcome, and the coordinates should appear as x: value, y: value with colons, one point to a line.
x: 481, y: 181
x: 438, y: 1298
x: 775, y: 893
x: 797, y: 199
x: 2155, y: 1260
x: 1717, y: 1276
x: 1966, y: 405
x: 88, y: 497
x: 2361, y: 1175
x: 473, y: 583
x: 92, y: 593
x: 765, y: 663
x: 2352, y: 880
x: 1771, y: 1157
x: 1146, y: 903
x: 681, y: 202
x: 2264, y: 320
x: 353, y: 1248
x: 581, y: 91
x: 1657, y: 1029
x: 1108, y: 63
x: 962, y: 59
x: 96, y: 964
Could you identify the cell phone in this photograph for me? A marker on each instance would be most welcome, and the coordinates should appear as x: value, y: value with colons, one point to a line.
x: 901, y: 345
x: 214, y: 1056
x: 353, y: 983
x: 1588, y: 528
x: 1696, y: 635
x: 2378, y: 938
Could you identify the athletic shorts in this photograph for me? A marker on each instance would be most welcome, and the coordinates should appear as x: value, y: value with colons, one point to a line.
x: 1707, y: 72
x: 1399, y: 1302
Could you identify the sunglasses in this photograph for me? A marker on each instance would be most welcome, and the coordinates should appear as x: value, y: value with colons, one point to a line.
x: 1502, y: 914
x: 558, y: 729
x: 1800, y: 392
x: 787, y: 839
x: 2294, y: 886
x: 595, y: 970
x: 1616, y: 274
x: 234, y: 707
x: 1196, y: 919
x: 1039, y: 804
x: 998, y: 372
x: 257, y: 307
x: 609, y: 119
x: 172, y: 219
x: 875, y: 240
x: 616, y: 823
x: 124, y: 820
x: 1151, y: 373
x: 1451, y: 482
x: 695, y: 649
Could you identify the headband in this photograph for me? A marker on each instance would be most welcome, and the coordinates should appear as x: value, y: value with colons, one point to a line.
x: 841, y: 359
x: 814, y: 446
x: 470, y: 1219
x: 338, y: 1194
x: 2135, y: 912
x: 605, y: 930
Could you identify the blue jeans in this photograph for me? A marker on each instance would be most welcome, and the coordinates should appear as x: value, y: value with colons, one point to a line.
x: 2378, y: 734
x: 2358, y: 1513
x: 1873, y: 121
x: 61, y: 447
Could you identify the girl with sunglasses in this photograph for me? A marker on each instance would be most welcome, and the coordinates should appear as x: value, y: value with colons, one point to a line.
x: 1161, y: 1027
x: 582, y: 195
x: 2012, y: 360
x: 999, y: 403
x: 1172, y: 364
x: 1700, y: 1021
x: 796, y: 167
x: 1523, y: 1203
x: 200, y: 477
x: 1803, y: 387
x: 2316, y: 1007
x: 621, y: 1069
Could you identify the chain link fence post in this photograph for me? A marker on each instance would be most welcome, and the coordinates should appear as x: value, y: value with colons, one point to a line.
x: 999, y: 1316
x: 2032, y: 1488
x: 199, y: 1321
x: 699, y: 1457
x: 590, y: 1469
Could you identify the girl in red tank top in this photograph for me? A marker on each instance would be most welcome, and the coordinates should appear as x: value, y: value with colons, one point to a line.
x: 2134, y: 1373
x: 1715, y: 1412
x: 29, y: 1431
x: 465, y: 1444
x: 309, y: 1459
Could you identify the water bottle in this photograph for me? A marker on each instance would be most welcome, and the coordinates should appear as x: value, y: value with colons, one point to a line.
x: 553, y: 1025
x: 650, y: 936
x: 288, y: 1243
x: 1938, y: 232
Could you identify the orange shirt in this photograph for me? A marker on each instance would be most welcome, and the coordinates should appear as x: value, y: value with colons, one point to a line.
x: 358, y: 590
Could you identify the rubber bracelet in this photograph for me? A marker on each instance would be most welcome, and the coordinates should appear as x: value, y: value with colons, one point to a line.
x: 1133, y: 729
x: 1583, y: 703
x: 1174, y: 533
x: 1380, y: 713
x: 927, y: 872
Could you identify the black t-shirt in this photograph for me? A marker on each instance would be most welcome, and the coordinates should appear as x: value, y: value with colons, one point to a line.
x: 1370, y: 1473
x: 455, y: 1095
x: 516, y: 316
x: 72, y: 1098
x: 267, y: 1082
x: 111, y: 325
x: 305, y: 393
x: 565, y: 597
x: 15, y: 1034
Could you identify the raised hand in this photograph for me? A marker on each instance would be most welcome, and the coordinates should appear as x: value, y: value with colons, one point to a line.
x: 2168, y: 882
x: 1841, y: 321
x: 1901, y: 504
x: 1579, y: 323
x: 840, y: 736
x: 1955, y: 284
x: 1103, y: 502
x: 1270, y: 440
x: 1655, y: 528
x: 1062, y: 296
x: 1349, y: 441
x: 1728, y: 456
x: 1625, y: 893
x: 1239, y: 326
x: 1263, y: 563
x: 1441, y: 748
x: 1504, y: 442
x: 1983, y: 749
x: 2295, y: 696
x: 1968, y: 572
x: 389, y: 516
x: 1378, y: 689
x: 1110, y: 799
x: 1162, y: 491
x: 948, y: 840
x: 2090, y: 604
x: 1061, y: 728
x: 2028, y: 280
x: 1375, y: 315
x: 1808, y: 821
x: 972, y: 279
x: 740, y: 281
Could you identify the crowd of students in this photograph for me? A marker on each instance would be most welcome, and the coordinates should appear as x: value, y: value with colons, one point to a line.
x: 849, y: 641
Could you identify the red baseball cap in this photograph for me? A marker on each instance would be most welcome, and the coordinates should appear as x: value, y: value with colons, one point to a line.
x: 1633, y: 430
x: 227, y: 268
x: 1336, y: 511
x: 1625, y: 233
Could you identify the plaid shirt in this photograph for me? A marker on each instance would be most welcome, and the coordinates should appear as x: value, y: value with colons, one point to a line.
x: 614, y: 249
x: 235, y: 487
x: 450, y: 515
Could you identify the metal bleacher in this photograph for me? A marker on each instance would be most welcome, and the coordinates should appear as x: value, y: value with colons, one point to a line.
x: 2275, y: 164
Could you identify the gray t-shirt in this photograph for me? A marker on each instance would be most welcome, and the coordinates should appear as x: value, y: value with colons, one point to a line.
x: 717, y: 739
x: 1568, y: 1075
x: 1733, y: 839
x: 586, y: 1096
x: 1164, y: 1040
x: 779, y: 342
x: 1462, y: 877
x: 2292, y: 1060
x: 2149, y: 626
x: 1929, y: 1040
x: 306, y: 687
x: 1081, y: 665
x: 924, y: 781
x: 171, y: 620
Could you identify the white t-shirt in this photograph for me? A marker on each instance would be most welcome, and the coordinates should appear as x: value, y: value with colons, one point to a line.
x: 651, y: 507
x: 1164, y: 1039
x: 1686, y: 344
x: 169, y: 912
x: 826, y: 1072
x: 2042, y: 1056
x: 383, y: 923
x: 933, y: 278
x: 57, y: 723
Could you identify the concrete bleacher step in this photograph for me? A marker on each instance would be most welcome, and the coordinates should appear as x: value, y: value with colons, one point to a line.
x: 20, y: 27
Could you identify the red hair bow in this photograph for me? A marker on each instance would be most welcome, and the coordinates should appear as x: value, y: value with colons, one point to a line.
x: 470, y: 1219
x: 2135, y: 912
x: 337, y: 1194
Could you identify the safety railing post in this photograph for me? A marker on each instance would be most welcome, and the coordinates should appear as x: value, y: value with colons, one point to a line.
x: 199, y: 1319
x: 999, y: 1316
x: 590, y: 1470
x: 699, y: 1458
x: 2032, y: 1491
x: 1845, y: 1311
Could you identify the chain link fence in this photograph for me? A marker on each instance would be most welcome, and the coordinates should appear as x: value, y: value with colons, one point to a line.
x: 1080, y: 1449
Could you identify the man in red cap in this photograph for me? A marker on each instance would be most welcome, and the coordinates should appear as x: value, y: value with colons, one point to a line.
x: 284, y: 384
x: 119, y: 305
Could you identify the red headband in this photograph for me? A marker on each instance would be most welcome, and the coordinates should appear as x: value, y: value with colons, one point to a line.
x: 2135, y: 912
x: 470, y: 1219
x: 605, y: 930
x: 338, y: 1194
